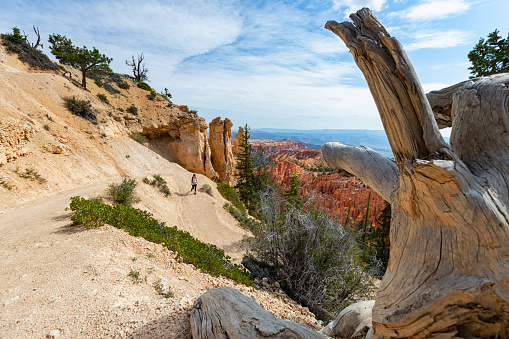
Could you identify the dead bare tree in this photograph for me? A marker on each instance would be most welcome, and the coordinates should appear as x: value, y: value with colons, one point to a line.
x: 37, y: 44
x: 448, y: 273
x: 139, y: 69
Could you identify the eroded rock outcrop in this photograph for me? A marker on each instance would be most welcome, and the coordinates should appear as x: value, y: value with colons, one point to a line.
x: 220, y: 136
x: 182, y: 137
x: 237, y: 141
x: 14, y: 135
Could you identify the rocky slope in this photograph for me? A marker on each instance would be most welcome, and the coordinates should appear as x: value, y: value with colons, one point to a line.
x: 56, y: 277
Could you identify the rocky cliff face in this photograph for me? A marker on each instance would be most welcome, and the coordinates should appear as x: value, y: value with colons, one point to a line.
x: 344, y: 197
x: 274, y: 146
x: 220, y: 137
x: 237, y: 141
x: 182, y: 137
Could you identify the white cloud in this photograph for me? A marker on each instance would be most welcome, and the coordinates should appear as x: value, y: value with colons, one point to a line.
x: 436, y: 9
x: 352, y: 6
x: 438, y: 39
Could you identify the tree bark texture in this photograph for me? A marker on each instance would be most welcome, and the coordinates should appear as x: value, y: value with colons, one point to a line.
x: 228, y: 313
x: 448, y: 273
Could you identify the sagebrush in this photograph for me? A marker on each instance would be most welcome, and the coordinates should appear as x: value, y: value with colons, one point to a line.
x: 124, y: 192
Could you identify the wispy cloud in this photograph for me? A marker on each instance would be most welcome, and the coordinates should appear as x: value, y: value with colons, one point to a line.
x: 435, y: 9
x: 350, y: 6
x: 438, y: 39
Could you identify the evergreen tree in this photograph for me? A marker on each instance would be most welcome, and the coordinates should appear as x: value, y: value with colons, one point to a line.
x: 245, y: 172
x: 490, y: 56
x: 292, y: 194
x: 79, y: 57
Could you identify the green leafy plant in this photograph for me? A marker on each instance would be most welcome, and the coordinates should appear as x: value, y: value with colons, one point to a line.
x: 231, y: 195
x: 160, y: 289
x: 123, y: 85
x: 136, y: 222
x: 207, y: 189
x: 4, y: 184
x: 160, y: 183
x: 31, y: 174
x: 242, y: 217
x: 16, y: 43
x: 132, y: 109
x: 135, y: 275
x: 103, y: 98
x: 140, y: 138
x: 145, y: 86
x: 81, y: 108
x: 123, y: 193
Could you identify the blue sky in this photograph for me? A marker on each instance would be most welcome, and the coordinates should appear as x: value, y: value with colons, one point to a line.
x: 265, y: 63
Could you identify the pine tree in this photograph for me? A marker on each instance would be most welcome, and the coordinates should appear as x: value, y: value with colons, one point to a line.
x: 490, y: 56
x: 80, y: 57
x: 245, y: 172
x: 292, y: 194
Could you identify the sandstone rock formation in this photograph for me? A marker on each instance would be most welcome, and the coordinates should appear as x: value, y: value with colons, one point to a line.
x: 182, y: 137
x: 344, y: 197
x: 237, y: 141
x: 220, y: 136
x: 13, y: 137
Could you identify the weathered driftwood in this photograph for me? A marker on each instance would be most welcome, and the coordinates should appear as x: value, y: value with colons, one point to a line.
x: 227, y: 313
x: 448, y: 272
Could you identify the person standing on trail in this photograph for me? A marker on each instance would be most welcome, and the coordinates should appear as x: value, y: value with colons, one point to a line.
x: 194, y: 183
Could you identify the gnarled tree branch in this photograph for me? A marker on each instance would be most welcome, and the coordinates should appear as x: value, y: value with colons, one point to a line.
x: 378, y: 172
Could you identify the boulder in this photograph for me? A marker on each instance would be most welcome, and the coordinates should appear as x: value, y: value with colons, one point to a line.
x: 220, y: 135
x: 353, y: 322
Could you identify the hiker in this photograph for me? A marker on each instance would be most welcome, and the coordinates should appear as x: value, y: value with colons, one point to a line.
x: 194, y: 183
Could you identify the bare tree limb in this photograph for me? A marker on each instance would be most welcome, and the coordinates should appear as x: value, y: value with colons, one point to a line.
x: 378, y: 172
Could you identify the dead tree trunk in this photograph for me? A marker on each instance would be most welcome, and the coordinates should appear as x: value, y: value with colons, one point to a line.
x: 448, y: 271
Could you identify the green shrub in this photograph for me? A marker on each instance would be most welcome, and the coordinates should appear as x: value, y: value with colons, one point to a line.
x: 81, y: 108
x: 160, y: 183
x: 15, y: 43
x: 132, y: 109
x: 315, y: 260
x: 136, y: 222
x: 231, y: 195
x: 245, y: 221
x: 207, y: 189
x: 123, y: 85
x: 140, y: 138
x: 152, y: 94
x: 123, y: 193
x: 98, y: 82
x: 145, y: 86
x: 31, y: 174
x: 110, y: 89
x: 103, y: 98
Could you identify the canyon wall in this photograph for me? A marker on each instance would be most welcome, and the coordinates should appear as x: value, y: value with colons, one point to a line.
x: 346, y: 198
x: 220, y: 137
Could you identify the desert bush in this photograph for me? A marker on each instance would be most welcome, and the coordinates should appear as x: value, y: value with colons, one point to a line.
x: 136, y: 222
x: 315, y: 260
x: 123, y: 85
x: 123, y: 193
x: 160, y: 183
x: 31, y: 174
x: 103, y: 98
x: 132, y: 109
x: 231, y: 195
x: 145, y: 86
x: 242, y: 217
x: 16, y: 43
x: 4, y: 184
x: 207, y: 189
x: 140, y: 138
x: 98, y: 82
x: 81, y: 108
x: 108, y: 87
